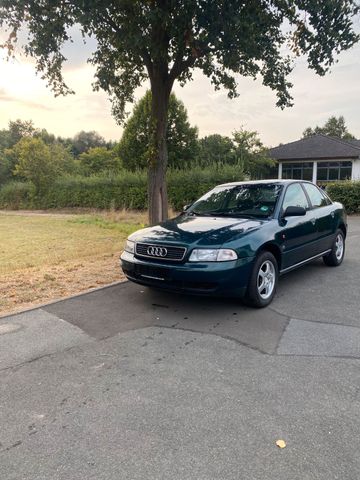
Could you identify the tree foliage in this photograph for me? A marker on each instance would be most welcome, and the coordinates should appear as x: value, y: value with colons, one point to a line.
x: 244, y: 149
x: 334, y: 127
x: 135, y: 144
x: 215, y: 148
x: 251, y: 154
x: 99, y: 159
x: 35, y: 163
x: 102, y: 155
x: 83, y: 141
x: 164, y: 40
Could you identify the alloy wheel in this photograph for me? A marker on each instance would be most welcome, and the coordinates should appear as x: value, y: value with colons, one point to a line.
x: 339, y: 246
x: 266, y: 279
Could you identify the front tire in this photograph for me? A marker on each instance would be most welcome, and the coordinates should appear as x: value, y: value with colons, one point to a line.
x: 336, y: 256
x: 263, y: 281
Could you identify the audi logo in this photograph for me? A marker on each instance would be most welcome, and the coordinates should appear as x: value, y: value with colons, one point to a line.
x: 157, y: 251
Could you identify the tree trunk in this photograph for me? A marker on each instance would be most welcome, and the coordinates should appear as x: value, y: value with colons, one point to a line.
x: 157, y: 191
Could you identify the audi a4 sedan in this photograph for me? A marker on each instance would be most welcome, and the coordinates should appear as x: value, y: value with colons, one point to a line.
x: 237, y: 239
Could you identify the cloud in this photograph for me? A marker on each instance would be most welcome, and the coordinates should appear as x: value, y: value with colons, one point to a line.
x: 4, y: 97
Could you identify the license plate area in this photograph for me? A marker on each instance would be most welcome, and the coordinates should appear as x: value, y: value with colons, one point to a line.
x: 152, y: 272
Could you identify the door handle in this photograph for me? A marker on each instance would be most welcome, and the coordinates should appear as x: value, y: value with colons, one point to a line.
x: 313, y: 221
x: 332, y: 214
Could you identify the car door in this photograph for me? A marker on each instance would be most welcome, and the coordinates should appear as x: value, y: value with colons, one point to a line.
x: 323, y: 213
x: 298, y: 235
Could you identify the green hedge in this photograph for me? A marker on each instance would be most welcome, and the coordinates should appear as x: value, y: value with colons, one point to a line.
x: 126, y: 190
x: 348, y: 193
x: 17, y: 195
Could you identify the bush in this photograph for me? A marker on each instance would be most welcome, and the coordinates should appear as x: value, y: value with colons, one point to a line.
x: 348, y: 193
x: 17, y: 195
x: 125, y: 190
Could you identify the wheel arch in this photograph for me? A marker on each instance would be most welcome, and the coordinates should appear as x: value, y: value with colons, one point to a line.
x: 342, y: 227
x: 272, y: 248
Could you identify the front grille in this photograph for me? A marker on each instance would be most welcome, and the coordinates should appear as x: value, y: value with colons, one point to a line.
x: 160, y: 252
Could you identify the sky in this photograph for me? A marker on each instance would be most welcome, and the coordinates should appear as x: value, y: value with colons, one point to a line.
x: 25, y: 95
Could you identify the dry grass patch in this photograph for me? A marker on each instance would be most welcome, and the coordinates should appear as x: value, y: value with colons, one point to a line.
x: 45, y: 256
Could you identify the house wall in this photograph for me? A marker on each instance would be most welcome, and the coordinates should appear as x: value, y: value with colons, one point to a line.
x: 356, y: 170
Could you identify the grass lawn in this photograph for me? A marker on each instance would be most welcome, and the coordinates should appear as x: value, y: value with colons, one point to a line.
x: 45, y: 256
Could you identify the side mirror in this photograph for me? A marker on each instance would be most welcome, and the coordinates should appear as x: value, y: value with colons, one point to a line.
x: 186, y: 207
x: 294, y: 212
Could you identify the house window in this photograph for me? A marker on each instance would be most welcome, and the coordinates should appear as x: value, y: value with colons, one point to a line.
x: 298, y: 171
x: 332, y: 171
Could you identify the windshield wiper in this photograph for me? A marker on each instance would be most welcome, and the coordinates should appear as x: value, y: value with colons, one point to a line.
x: 222, y: 214
x: 202, y: 214
x: 239, y: 215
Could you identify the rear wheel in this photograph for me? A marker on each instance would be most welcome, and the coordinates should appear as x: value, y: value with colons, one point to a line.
x: 263, y: 281
x: 336, y: 256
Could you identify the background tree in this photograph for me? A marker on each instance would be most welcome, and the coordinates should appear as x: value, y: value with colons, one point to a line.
x: 62, y: 159
x: 99, y: 159
x: 7, y: 165
x: 251, y: 154
x: 164, y: 40
x: 9, y: 137
x: 48, y: 138
x: 215, y: 148
x: 33, y: 160
x: 35, y: 163
x: 83, y: 141
x: 19, y: 129
x: 334, y: 126
x: 136, y: 139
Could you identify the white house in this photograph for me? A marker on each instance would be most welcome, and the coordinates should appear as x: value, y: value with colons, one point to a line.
x: 319, y: 158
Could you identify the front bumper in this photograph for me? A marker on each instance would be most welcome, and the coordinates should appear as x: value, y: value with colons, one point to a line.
x: 219, y: 278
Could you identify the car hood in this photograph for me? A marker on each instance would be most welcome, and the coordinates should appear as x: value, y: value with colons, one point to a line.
x: 205, y: 231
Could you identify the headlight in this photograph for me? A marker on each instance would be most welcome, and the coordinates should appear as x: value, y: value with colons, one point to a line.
x: 212, y: 255
x: 130, y: 246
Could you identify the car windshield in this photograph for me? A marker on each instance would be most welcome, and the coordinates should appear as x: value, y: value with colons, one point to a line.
x: 252, y: 200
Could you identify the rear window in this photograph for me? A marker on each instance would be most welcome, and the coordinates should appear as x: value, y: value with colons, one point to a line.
x: 317, y: 198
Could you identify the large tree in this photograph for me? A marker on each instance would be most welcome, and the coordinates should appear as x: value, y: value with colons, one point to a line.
x: 334, y: 126
x: 181, y: 137
x: 164, y: 40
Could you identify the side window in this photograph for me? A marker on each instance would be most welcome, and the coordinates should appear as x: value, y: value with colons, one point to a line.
x: 295, y: 197
x: 317, y: 199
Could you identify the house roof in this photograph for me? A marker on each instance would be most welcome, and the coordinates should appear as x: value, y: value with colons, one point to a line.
x: 317, y: 147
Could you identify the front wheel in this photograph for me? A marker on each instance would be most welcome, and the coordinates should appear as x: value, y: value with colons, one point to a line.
x: 336, y: 256
x: 263, y: 281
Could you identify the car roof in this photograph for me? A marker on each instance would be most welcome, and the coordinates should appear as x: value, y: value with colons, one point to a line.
x: 263, y: 182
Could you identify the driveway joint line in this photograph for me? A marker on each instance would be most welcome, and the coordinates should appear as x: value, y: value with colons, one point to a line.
x: 308, y: 355
x: 313, y: 321
x: 288, y: 320
x: 45, y: 355
x: 225, y: 337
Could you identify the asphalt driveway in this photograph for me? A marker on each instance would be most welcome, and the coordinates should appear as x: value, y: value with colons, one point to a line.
x: 129, y: 383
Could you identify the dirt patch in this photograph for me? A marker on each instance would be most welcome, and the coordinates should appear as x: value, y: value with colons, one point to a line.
x: 27, y: 288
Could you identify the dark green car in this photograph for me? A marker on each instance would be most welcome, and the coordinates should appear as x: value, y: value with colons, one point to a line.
x: 237, y: 239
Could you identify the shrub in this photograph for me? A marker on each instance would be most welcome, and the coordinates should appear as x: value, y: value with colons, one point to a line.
x: 17, y: 195
x: 348, y: 193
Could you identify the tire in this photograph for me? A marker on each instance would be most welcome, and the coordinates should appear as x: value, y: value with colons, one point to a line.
x: 255, y: 296
x: 336, y: 256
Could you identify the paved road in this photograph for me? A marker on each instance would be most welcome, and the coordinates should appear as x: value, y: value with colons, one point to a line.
x: 127, y: 383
